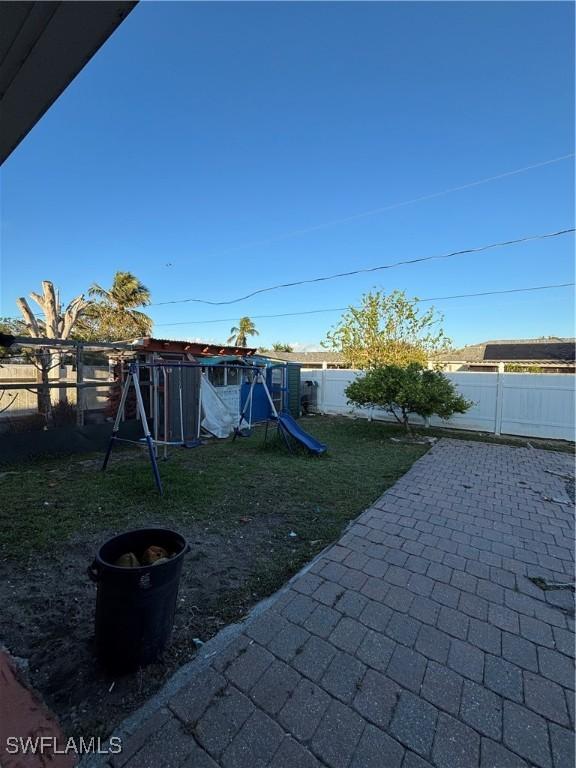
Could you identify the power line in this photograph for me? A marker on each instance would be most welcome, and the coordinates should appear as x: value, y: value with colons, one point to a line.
x: 367, y: 270
x: 494, y: 293
x: 390, y: 207
x: 343, y: 309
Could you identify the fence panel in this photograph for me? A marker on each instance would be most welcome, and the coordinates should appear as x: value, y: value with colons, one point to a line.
x: 96, y: 398
x: 531, y: 405
x: 482, y: 390
x: 24, y: 402
x: 19, y: 402
x: 539, y: 405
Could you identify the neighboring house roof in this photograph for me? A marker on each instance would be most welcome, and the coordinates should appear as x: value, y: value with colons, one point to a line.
x: 549, y: 350
x: 558, y: 351
x: 306, y: 357
x: 195, y: 348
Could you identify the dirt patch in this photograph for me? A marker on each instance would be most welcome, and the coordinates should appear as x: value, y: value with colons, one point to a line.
x: 253, y: 514
x: 51, y: 626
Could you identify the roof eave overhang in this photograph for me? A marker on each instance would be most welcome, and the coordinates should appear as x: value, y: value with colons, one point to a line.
x: 43, y: 46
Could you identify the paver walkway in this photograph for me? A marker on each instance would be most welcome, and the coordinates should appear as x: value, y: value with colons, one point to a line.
x: 417, y: 640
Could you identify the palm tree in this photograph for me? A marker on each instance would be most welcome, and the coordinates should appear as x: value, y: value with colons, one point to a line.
x: 239, y: 333
x: 114, y: 316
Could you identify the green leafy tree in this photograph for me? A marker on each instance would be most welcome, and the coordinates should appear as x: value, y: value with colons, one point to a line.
x: 403, y: 390
x: 112, y: 313
x: 387, y: 329
x: 239, y: 333
x: 280, y: 346
x: 11, y: 327
x: 516, y: 368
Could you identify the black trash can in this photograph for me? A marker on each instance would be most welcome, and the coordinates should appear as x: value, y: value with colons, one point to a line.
x: 135, y: 607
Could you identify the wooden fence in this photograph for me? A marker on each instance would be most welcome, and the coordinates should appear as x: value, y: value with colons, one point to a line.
x: 22, y: 402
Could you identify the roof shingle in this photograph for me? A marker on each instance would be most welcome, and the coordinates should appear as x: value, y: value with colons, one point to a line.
x: 550, y: 350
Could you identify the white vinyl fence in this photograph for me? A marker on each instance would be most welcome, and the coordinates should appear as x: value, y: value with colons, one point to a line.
x: 528, y: 404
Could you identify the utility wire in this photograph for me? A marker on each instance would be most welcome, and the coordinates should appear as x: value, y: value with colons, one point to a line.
x: 367, y: 270
x: 343, y: 309
x: 390, y: 207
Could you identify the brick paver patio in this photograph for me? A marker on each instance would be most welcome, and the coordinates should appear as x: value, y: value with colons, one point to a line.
x: 417, y: 640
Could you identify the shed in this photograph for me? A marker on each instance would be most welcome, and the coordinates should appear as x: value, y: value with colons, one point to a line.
x: 182, y: 380
x: 293, y: 395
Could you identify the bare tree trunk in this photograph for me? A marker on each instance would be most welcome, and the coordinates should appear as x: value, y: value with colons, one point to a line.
x: 80, y: 394
x: 54, y: 326
x: 73, y: 310
x: 29, y: 319
x: 43, y: 377
x: 407, y: 426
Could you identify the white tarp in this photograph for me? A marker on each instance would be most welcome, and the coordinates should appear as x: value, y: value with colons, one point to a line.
x: 217, y: 418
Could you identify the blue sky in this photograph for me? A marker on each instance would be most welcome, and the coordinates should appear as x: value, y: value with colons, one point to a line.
x: 201, y: 133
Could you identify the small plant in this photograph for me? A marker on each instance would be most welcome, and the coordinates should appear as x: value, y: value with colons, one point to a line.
x: 63, y: 414
x: 34, y: 422
x: 516, y: 368
x: 405, y: 390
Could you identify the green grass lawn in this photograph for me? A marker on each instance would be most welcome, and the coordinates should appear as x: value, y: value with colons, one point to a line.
x: 219, y: 484
x: 46, y: 501
x: 220, y: 487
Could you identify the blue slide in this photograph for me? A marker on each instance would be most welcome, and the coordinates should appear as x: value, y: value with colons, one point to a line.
x: 287, y: 424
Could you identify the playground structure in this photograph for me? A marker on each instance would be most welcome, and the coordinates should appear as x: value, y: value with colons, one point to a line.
x: 167, y: 407
x: 181, y: 391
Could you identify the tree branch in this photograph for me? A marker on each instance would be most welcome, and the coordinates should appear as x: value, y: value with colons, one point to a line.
x: 73, y: 311
x: 29, y: 319
x: 50, y: 309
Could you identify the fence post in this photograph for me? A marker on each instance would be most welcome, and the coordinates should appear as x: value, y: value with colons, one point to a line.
x: 323, y: 388
x: 62, y: 376
x: 55, y: 375
x: 499, y: 399
x: 79, y: 389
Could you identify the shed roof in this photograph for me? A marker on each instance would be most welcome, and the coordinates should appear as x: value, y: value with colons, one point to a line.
x: 195, y: 348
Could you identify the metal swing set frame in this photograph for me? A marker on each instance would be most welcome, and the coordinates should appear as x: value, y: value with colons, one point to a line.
x: 152, y: 442
x: 259, y: 378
